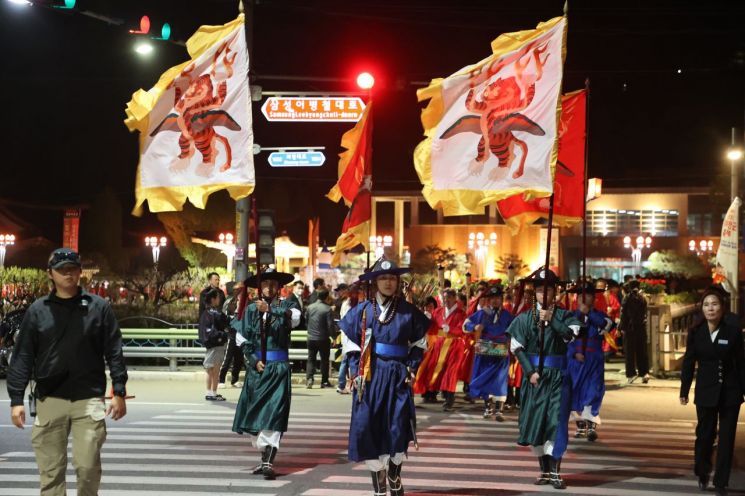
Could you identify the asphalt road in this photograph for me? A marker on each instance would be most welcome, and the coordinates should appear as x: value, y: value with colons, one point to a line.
x: 172, y: 442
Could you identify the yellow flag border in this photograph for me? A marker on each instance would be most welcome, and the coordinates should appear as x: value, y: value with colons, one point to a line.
x: 172, y: 198
x: 466, y: 201
x: 357, y: 234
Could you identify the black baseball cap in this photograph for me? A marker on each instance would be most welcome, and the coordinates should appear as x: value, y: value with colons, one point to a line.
x: 64, y: 256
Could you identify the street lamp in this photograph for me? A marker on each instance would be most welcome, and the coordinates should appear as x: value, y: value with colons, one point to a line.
x: 228, y: 248
x: 703, y: 246
x: 156, y: 244
x: 5, y: 241
x: 378, y: 244
x: 636, y: 250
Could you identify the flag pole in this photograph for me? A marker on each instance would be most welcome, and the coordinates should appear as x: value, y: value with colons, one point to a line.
x: 243, y: 206
x: 584, y: 183
x: 542, y: 333
x: 255, y: 214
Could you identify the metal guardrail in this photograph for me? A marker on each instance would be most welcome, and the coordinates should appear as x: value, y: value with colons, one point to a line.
x: 174, y: 342
x: 667, y: 332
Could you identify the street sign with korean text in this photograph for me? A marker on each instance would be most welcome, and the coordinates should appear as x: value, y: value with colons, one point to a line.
x: 313, y: 109
x: 296, y: 159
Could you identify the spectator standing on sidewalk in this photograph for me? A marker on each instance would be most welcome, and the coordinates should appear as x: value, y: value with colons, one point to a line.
x: 349, y: 350
x: 214, y: 337
x: 213, y: 280
x: 66, y: 340
x: 634, y: 327
x: 233, y: 359
x: 320, y: 320
x: 318, y: 285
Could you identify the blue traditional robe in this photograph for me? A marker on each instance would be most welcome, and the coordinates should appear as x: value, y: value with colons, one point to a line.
x: 588, y: 377
x: 489, y: 376
x: 382, y: 422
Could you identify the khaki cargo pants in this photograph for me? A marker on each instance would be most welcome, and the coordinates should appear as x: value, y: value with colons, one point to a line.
x: 55, y: 419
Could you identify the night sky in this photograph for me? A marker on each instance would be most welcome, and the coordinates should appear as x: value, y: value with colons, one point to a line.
x: 66, y: 79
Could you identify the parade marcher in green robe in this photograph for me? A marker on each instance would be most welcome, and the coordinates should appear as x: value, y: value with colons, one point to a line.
x: 545, y: 398
x: 264, y: 405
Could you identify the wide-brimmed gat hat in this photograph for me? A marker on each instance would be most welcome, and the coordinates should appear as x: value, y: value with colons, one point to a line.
x: 384, y: 266
x: 282, y: 278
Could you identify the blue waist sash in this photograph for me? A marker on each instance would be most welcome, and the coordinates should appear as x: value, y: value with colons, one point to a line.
x: 550, y: 361
x: 392, y: 350
x: 277, y: 355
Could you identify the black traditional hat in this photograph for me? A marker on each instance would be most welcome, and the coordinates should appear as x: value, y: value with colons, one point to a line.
x: 542, y: 276
x: 384, y: 266
x: 494, y: 291
x: 587, y: 288
x: 270, y: 274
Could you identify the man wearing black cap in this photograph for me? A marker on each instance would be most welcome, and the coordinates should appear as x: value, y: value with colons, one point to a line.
x: 263, y: 331
x: 66, y: 340
x: 544, y: 412
x: 390, y: 332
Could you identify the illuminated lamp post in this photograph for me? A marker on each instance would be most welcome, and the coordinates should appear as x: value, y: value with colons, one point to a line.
x: 5, y: 241
x: 636, y: 250
x: 228, y: 248
x: 156, y: 244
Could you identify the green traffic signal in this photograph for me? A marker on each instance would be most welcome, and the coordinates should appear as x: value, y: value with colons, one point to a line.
x: 69, y: 5
x: 165, y: 32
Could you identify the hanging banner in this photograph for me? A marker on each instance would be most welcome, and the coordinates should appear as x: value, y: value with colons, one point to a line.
x: 71, y: 228
x: 726, y: 269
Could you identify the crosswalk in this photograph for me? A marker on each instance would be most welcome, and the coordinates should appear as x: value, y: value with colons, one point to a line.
x: 191, y: 452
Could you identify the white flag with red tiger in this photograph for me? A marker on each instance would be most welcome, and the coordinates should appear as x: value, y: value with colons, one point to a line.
x: 195, y: 124
x: 491, y: 128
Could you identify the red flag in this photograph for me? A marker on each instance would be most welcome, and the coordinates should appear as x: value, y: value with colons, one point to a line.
x: 569, y: 177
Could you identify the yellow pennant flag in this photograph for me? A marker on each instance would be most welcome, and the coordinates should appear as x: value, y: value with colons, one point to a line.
x: 195, y: 124
x: 491, y: 128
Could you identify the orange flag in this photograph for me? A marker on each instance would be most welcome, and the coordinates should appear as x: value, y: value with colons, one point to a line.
x: 568, y: 180
x: 356, y: 161
x: 355, y: 185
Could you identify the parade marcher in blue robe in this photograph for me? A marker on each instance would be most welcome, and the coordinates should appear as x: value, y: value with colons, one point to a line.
x: 491, y: 362
x: 391, y: 334
x: 586, y: 363
x: 263, y: 408
x: 544, y: 412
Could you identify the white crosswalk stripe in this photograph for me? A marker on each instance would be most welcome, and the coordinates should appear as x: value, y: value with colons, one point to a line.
x: 191, y: 452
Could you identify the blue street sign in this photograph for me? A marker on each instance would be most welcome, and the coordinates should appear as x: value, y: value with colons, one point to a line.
x: 296, y: 159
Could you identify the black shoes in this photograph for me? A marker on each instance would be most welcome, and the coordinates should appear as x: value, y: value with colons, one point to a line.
x: 556, y: 479
x: 394, y: 479
x: 267, y: 463
x: 326, y: 384
x: 379, y: 485
x: 703, y: 482
x: 216, y: 397
x: 592, y: 434
x: 545, y: 477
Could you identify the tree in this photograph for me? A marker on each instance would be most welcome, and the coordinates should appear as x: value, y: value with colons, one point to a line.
x: 503, y: 263
x: 181, y: 226
x: 671, y: 263
x: 428, y: 259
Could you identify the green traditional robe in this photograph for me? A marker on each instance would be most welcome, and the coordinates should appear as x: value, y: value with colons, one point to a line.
x: 264, y: 403
x: 541, y: 405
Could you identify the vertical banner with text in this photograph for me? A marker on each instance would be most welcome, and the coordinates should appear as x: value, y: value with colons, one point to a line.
x: 71, y: 228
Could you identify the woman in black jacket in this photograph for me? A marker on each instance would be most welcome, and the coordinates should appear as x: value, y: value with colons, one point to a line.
x: 717, y: 347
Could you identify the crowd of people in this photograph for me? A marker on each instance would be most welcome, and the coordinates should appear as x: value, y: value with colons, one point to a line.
x: 538, y: 346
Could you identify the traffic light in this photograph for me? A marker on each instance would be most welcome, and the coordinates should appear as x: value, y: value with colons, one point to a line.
x: 65, y: 5
x: 266, y: 231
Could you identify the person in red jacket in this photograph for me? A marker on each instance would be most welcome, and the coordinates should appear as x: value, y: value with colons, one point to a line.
x: 441, y: 365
